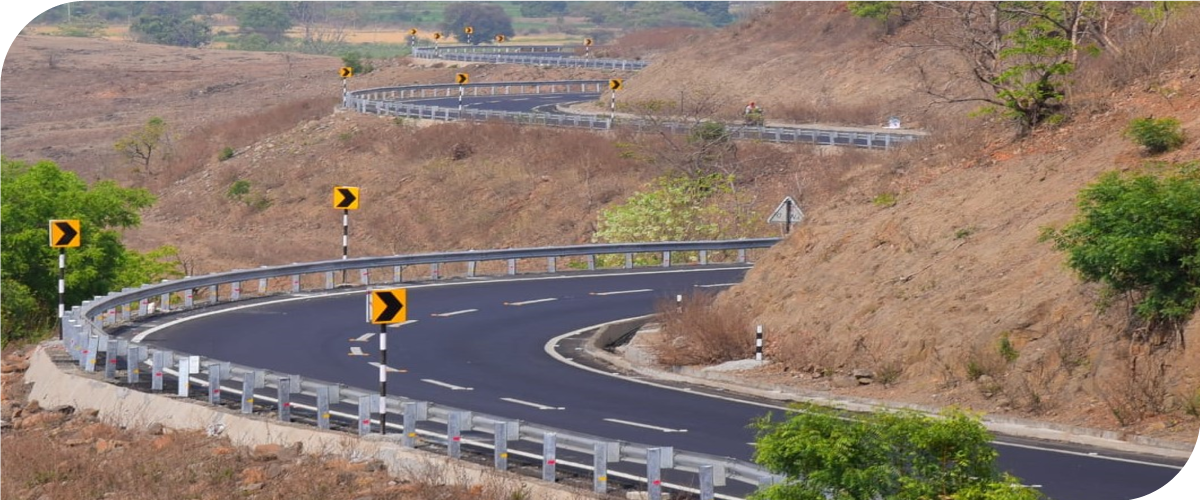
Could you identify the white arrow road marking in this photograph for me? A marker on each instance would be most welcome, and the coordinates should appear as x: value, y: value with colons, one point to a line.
x: 357, y: 351
x: 644, y: 426
x: 455, y: 313
x: 363, y: 338
x: 715, y: 285
x: 448, y: 386
x: 397, y: 325
x: 389, y: 369
x: 535, y: 405
x: 602, y: 294
x: 527, y: 302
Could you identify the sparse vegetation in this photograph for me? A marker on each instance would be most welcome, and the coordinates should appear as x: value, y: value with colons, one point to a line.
x: 885, y: 200
x: 354, y: 60
x: 1007, y: 351
x: 242, y: 192
x: 1157, y: 135
x: 699, y: 332
x: 145, y: 144
x: 226, y: 154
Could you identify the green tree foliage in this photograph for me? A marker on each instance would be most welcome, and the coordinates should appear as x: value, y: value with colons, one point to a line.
x: 89, y: 26
x: 354, y: 60
x: 894, y: 455
x: 1156, y: 135
x: 543, y: 9
x: 145, y: 144
x: 1139, y: 235
x: 879, y: 11
x: 678, y: 208
x: 35, y: 194
x: 487, y: 19
x: 268, y: 19
x: 171, y: 30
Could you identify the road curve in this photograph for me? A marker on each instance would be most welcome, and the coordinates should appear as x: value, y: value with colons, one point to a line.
x: 478, y: 345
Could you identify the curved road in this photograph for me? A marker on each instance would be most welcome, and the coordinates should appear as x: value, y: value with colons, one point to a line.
x: 478, y: 345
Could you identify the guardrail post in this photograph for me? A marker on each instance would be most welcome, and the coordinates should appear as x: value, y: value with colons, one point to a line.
x: 329, y: 280
x: 189, y: 297
x: 248, y: 392
x: 364, y: 415
x: 214, y: 383
x: 133, y: 364
x: 410, y: 425
x: 551, y: 264
x: 454, y: 434
x: 600, y: 468
x: 654, y: 473
x: 500, y: 445
x: 235, y: 292
x: 110, y: 362
x: 213, y: 291
x: 284, y: 394
x: 184, y: 377
x: 512, y: 267
x: 435, y: 271
x: 262, y: 286
x: 741, y: 256
x: 666, y: 259
x: 706, y: 482
x: 549, y: 444
x: 125, y: 312
x: 323, y: 407
x: 164, y: 302
x: 159, y: 361
x: 628, y: 260
x: 143, y: 306
x: 295, y: 283
x: 704, y: 257
x: 89, y: 358
x: 364, y: 277
x: 591, y: 260
x: 471, y: 269
x: 398, y: 274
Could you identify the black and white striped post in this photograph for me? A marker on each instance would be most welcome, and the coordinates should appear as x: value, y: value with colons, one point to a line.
x: 62, y: 288
x: 614, y: 85
x: 758, y: 344
x: 347, y: 199
x: 383, y: 378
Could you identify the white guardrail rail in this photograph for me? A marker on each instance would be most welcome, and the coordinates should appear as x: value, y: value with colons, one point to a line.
x: 540, y: 55
x: 395, y: 101
x: 87, y: 338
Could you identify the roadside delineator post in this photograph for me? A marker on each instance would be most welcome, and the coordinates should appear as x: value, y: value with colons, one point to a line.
x: 549, y: 446
x: 758, y: 343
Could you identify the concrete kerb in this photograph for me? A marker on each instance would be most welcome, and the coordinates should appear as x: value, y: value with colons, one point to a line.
x: 121, y: 406
x: 1011, y: 426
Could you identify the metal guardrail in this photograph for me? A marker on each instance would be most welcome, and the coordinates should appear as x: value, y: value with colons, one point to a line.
x: 395, y: 101
x: 292, y: 398
x: 524, y: 54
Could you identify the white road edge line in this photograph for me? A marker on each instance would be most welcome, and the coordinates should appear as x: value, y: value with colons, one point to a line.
x: 455, y: 313
x: 644, y: 426
x: 621, y: 292
x: 448, y: 386
x: 715, y: 285
x: 527, y: 302
x: 1090, y: 455
x: 550, y: 345
x: 535, y: 405
x: 307, y: 296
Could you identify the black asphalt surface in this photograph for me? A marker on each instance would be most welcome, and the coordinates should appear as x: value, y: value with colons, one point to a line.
x: 526, y: 103
x: 498, y: 352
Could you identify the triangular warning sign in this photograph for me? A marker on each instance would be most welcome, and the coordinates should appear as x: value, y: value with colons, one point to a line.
x: 781, y: 213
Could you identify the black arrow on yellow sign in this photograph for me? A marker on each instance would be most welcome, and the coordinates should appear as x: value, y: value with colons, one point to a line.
x: 64, y: 233
x: 387, y: 306
x: 345, y: 198
x: 462, y: 78
x: 346, y: 72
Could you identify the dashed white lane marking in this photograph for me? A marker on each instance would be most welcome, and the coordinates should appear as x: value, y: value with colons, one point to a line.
x: 448, y: 386
x: 1088, y: 454
x: 389, y: 369
x: 644, y: 426
x: 455, y: 313
x: 714, y: 285
x: 535, y: 405
x: 398, y: 325
x: 363, y: 338
x: 621, y: 292
x: 527, y: 302
x: 357, y: 351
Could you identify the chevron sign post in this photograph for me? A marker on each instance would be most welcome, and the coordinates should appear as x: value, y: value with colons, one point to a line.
x: 64, y: 234
x: 385, y: 307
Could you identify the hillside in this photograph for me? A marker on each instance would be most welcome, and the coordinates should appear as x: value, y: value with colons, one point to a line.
x: 919, y: 289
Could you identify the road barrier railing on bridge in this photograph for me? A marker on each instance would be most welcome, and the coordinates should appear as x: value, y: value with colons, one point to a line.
x: 87, y: 338
x: 543, y: 55
x: 399, y: 101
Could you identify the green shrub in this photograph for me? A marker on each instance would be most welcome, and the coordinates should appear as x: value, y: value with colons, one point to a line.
x: 885, y: 200
x: 354, y: 60
x: 238, y: 190
x: 1007, y: 351
x: 1156, y: 135
x: 226, y: 154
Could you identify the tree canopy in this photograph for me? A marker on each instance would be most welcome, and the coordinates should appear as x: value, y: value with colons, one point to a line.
x: 895, y: 455
x: 171, y: 30
x: 486, y: 19
x: 268, y: 19
x: 33, y: 195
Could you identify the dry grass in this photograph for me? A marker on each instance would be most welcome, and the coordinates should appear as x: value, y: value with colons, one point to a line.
x: 701, y: 332
x: 1136, y: 391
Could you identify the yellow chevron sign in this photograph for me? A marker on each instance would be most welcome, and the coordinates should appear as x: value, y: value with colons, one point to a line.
x: 615, y: 83
x: 462, y: 78
x: 64, y: 233
x: 346, y: 72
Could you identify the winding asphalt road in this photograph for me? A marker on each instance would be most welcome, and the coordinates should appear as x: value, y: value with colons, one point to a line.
x: 479, y: 345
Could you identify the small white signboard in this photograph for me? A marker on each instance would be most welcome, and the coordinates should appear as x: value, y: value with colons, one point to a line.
x: 780, y: 213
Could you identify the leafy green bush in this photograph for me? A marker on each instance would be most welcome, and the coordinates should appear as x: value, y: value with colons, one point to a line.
x: 1156, y: 135
x: 1007, y: 351
x: 354, y: 60
x: 885, y: 200
x: 238, y: 190
x: 226, y: 154
x: 1139, y: 235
